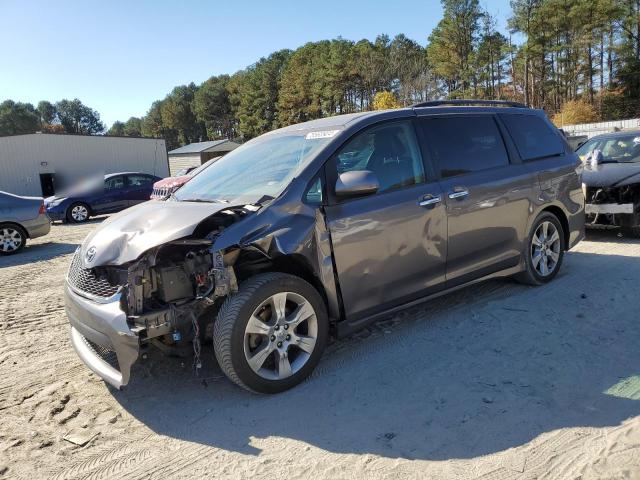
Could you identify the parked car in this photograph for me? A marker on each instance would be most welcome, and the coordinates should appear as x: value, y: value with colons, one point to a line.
x: 612, y: 180
x: 163, y: 189
x: 324, y: 227
x: 21, y: 218
x: 119, y: 191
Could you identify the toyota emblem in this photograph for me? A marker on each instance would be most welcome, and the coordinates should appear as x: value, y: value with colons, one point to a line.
x: 90, y: 255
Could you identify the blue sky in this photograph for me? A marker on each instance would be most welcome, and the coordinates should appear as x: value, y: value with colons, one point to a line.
x: 119, y: 56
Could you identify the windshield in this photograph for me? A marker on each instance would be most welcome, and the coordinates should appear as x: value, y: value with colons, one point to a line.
x: 614, y: 150
x: 196, y: 171
x: 262, y: 167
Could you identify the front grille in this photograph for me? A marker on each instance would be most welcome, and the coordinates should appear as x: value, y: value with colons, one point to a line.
x: 104, y: 353
x: 161, y: 192
x: 625, y: 194
x: 85, y: 280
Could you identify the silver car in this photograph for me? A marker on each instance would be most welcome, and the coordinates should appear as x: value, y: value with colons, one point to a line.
x: 21, y: 218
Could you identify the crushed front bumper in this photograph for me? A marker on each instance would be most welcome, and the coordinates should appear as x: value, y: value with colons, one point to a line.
x: 101, y: 336
x: 609, y: 208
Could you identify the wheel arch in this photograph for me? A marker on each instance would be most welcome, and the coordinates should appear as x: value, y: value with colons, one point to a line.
x: 562, y: 218
x: 17, y: 225
x: 251, y: 262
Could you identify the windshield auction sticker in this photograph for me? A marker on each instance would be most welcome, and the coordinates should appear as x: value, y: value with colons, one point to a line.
x: 321, y: 134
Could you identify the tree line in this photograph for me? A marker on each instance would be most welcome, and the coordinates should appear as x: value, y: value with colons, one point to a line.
x: 65, y: 116
x: 577, y: 59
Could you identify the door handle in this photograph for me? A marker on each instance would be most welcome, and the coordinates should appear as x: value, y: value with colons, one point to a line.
x: 430, y: 200
x: 459, y: 194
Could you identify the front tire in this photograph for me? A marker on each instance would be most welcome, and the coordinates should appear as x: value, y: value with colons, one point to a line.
x: 13, y: 238
x: 544, y: 250
x: 270, y: 335
x: 78, y: 213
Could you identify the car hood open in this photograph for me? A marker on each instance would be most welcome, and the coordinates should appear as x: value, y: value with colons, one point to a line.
x: 123, y: 237
x: 611, y: 174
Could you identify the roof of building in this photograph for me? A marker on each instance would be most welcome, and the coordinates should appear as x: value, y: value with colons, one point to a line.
x: 84, y: 135
x: 200, y: 147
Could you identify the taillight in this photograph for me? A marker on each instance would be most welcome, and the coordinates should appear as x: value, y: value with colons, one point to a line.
x: 42, y: 209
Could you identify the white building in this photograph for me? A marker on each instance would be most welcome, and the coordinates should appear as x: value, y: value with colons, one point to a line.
x: 35, y: 164
x: 195, y: 154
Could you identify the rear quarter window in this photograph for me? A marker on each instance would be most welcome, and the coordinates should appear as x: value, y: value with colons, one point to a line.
x: 462, y: 145
x: 534, y: 138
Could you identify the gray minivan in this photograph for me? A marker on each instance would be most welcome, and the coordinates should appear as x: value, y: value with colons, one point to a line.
x: 319, y: 228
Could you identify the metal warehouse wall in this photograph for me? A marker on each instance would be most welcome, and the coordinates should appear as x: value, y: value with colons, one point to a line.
x: 178, y: 162
x: 24, y: 157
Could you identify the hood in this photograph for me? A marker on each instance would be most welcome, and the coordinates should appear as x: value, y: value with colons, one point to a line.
x: 172, y: 181
x: 53, y: 198
x: 611, y: 174
x: 125, y: 236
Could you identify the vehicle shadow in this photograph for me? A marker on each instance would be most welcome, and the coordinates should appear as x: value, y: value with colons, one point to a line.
x: 92, y: 220
x: 476, y: 372
x: 36, y: 252
x: 610, y: 235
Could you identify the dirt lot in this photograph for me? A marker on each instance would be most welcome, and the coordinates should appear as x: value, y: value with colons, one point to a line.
x: 495, y: 381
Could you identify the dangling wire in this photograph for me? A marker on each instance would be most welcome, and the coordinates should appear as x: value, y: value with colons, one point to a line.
x: 197, y: 364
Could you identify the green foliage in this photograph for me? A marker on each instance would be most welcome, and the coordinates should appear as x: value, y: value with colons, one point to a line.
x: 178, y: 115
x: 453, y: 43
x: 47, y: 111
x: 133, y: 127
x: 153, y: 126
x: 76, y: 117
x: 117, y: 129
x: 212, y: 107
x: 17, y: 118
x: 254, y: 94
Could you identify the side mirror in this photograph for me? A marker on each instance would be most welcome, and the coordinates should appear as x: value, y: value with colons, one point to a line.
x: 356, y: 183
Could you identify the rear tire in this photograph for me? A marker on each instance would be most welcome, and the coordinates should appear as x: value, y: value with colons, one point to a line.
x: 269, y: 336
x: 78, y: 213
x: 13, y: 238
x: 544, y: 251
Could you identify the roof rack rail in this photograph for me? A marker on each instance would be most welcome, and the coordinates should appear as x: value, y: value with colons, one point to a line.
x: 454, y: 103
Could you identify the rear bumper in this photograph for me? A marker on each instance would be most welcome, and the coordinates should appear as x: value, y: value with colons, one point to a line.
x: 38, y: 227
x: 101, y: 336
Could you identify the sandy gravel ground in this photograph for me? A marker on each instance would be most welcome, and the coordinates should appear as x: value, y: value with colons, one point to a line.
x: 495, y: 381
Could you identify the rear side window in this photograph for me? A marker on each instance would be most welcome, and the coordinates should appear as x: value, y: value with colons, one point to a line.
x: 534, y: 138
x: 138, y: 180
x: 462, y: 145
x: 114, y: 183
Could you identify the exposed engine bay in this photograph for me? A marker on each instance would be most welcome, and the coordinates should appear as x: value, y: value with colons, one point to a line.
x: 165, y: 292
x: 613, y: 206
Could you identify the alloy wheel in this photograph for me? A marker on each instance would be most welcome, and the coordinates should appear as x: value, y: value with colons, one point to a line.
x: 280, y: 336
x: 545, y: 249
x: 10, y: 239
x: 79, y: 213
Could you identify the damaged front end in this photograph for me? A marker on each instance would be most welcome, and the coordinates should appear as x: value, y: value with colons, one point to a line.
x: 159, y: 299
x: 613, y: 206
